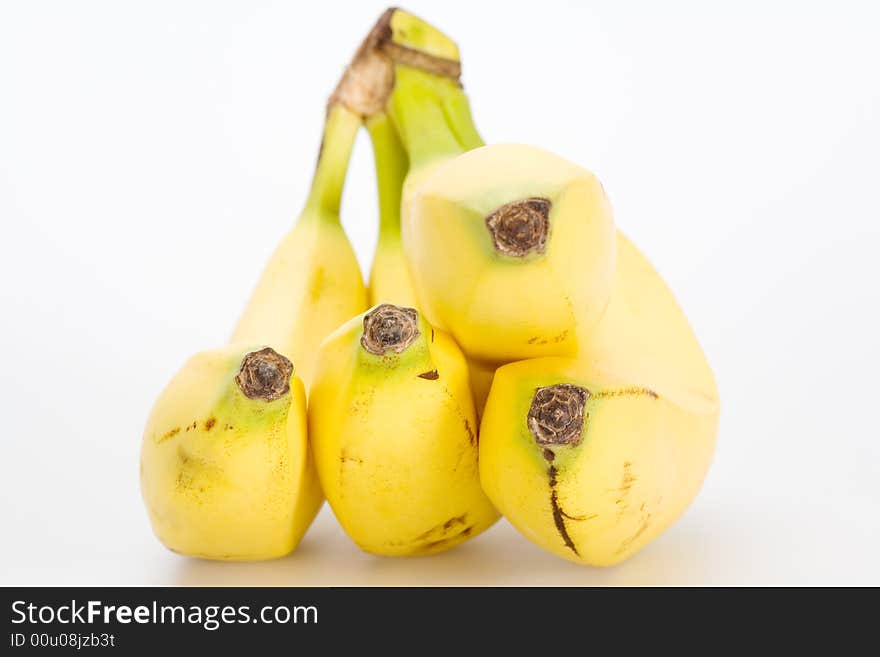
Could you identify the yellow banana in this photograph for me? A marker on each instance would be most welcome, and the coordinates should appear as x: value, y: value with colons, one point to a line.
x: 392, y: 424
x: 511, y: 248
x: 312, y: 282
x: 226, y: 475
x: 225, y: 469
x: 593, y: 458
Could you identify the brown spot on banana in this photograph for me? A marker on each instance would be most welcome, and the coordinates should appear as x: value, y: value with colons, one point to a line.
x: 449, y: 539
x: 168, y: 435
x: 556, y: 339
x: 442, y: 528
x: 626, y: 484
x: 633, y: 391
x: 558, y: 515
x: 472, y: 435
x: 556, y: 418
x: 627, y: 542
x: 457, y: 520
x: 345, y: 458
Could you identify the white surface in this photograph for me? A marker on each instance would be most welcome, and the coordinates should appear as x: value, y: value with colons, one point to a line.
x: 151, y: 154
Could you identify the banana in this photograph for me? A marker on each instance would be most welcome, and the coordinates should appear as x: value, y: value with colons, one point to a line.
x: 312, y: 283
x: 389, y: 275
x: 533, y: 261
x: 226, y: 474
x: 392, y: 425
x: 592, y: 458
x: 225, y: 470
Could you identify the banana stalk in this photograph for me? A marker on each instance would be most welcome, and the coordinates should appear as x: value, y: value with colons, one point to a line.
x: 389, y: 277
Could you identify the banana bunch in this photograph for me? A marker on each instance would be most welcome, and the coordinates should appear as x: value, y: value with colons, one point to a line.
x: 519, y: 354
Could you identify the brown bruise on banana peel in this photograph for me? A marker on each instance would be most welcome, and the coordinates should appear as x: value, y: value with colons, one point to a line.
x: 556, y: 339
x: 454, y: 530
x: 520, y: 227
x: 559, y: 515
x: 644, y: 524
x: 626, y: 392
x: 368, y: 80
x: 208, y: 424
x: 443, y: 527
x: 168, y: 435
x: 264, y: 375
x: 623, y: 491
x: 389, y: 328
x: 449, y: 540
x: 557, y: 418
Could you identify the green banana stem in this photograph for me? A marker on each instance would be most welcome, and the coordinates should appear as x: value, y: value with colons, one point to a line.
x: 457, y: 109
x: 419, y: 106
x: 391, y: 169
x: 340, y: 130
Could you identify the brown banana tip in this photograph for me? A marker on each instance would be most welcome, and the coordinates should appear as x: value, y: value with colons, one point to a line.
x: 264, y: 375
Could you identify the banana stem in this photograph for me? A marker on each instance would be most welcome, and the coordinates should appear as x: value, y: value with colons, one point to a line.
x: 391, y: 168
x: 458, y: 114
x: 417, y: 109
x: 340, y: 130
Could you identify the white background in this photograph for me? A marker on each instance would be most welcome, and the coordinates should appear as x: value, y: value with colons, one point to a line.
x: 153, y: 153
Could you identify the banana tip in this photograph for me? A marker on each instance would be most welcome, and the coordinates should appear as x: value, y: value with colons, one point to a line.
x: 389, y: 328
x: 264, y: 375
